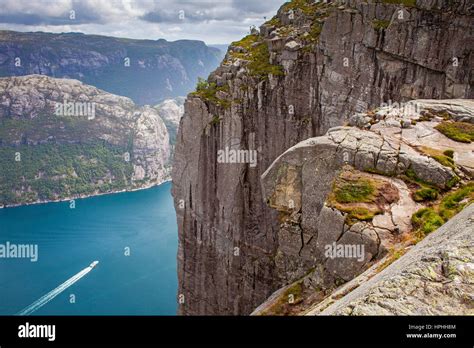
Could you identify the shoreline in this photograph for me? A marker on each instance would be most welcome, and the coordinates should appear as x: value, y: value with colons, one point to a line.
x: 145, y: 187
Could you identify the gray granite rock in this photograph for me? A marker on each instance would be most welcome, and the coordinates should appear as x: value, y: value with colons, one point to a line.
x: 352, y: 67
x: 436, y: 277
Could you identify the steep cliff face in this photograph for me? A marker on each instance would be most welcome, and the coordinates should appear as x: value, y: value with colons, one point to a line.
x: 146, y: 71
x: 308, y: 69
x: 171, y: 111
x: 61, y: 138
x: 369, y: 191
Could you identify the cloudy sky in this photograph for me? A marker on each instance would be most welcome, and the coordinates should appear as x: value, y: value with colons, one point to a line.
x: 215, y: 22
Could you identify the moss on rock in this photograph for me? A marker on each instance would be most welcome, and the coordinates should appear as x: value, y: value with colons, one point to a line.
x: 361, y: 195
x: 255, y: 51
x: 458, y: 131
x: 378, y: 24
x: 425, y: 194
x: 407, y: 3
x: 439, y: 156
x: 208, y: 92
x: 428, y: 219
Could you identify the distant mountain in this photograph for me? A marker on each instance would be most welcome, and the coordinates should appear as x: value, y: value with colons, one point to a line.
x: 171, y: 111
x: 222, y: 47
x: 146, y: 71
x: 60, y: 139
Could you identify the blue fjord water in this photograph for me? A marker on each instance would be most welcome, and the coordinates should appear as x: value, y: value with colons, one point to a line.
x: 100, y: 228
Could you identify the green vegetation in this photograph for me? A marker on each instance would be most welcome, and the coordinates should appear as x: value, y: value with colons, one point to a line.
x: 314, y: 12
x: 291, y: 297
x: 274, y: 21
x: 316, y: 29
x: 426, y: 194
x: 259, y: 65
x: 378, y: 24
x: 407, y: 3
x: 352, y: 192
x: 208, y: 92
x: 452, y: 182
x: 426, y: 191
x: 427, y: 220
x: 308, y: 7
x: 439, y: 156
x: 444, y: 160
x: 246, y: 43
x: 425, y: 117
x: 410, y: 177
x: 458, y: 131
x: 428, y: 115
x: 410, y: 174
x: 257, y: 54
x: 215, y: 120
x: 317, y: 12
x: 454, y: 202
x: 449, y: 153
x: 360, y: 195
x: 46, y: 124
x: 53, y: 171
x: 360, y: 214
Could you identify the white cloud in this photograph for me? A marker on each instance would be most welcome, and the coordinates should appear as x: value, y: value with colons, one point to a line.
x: 218, y: 21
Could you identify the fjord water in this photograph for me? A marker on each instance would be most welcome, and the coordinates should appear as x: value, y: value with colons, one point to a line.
x: 100, y: 228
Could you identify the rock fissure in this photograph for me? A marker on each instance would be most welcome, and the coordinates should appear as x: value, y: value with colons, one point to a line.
x: 348, y: 68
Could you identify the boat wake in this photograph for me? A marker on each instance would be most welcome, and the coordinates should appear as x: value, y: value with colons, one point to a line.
x: 53, y: 293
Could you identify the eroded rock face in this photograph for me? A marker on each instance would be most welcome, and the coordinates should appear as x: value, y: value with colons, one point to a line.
x: 318, y: 162
x: 436, y: 277
x: 230, y: 240
x: 355, y: 207
x: 343, y: 203
x: 171, y: 111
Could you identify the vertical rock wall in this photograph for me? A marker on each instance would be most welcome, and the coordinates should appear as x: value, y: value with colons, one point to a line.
x: 361, y: 56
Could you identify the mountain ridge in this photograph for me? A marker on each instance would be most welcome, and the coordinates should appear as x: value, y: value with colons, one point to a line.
x: 145, y: 70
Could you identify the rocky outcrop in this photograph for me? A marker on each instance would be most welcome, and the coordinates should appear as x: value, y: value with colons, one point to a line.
x: 348, y: 198
x: 144, y: 70
x: 433, y: 278
x: 308, y: 70
x: 96, y: 142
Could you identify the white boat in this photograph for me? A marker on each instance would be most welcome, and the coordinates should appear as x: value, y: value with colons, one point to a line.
x: 93, y: 264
